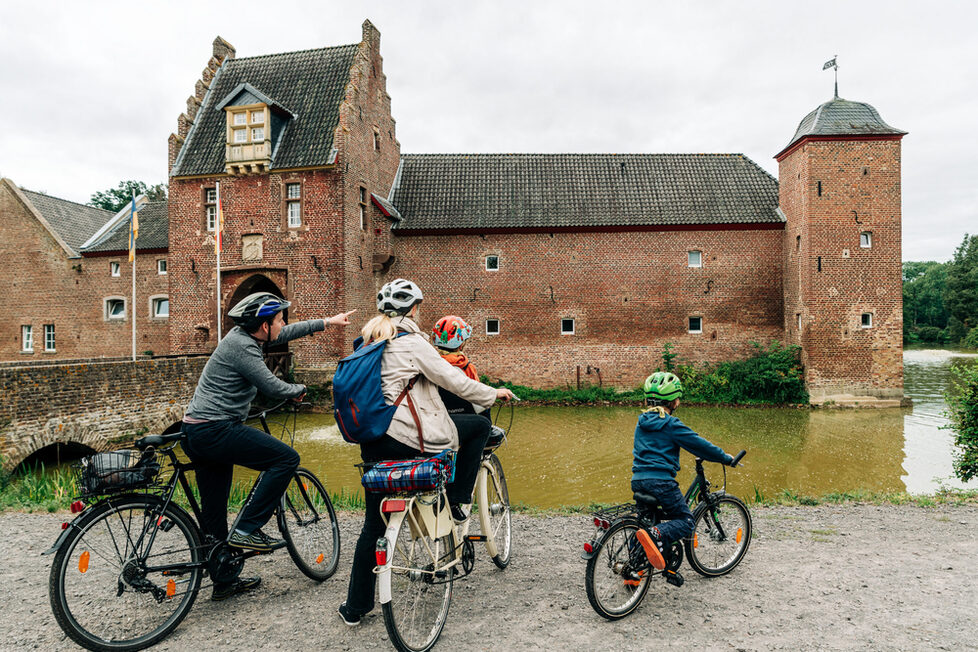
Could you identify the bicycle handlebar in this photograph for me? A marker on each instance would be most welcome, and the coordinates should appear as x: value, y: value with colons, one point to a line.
x: 737, y: 458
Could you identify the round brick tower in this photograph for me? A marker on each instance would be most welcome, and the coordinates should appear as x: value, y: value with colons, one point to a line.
x: 839, y: 179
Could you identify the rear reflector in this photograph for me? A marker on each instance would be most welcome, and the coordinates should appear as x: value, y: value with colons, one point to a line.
x: 391, y: 506
x: 77, y: 506
x: 380, y: 552
x: 64, y: 526
x: 588, y: 547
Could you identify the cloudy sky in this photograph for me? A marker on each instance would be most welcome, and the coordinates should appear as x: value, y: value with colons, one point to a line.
x: 93, y: 89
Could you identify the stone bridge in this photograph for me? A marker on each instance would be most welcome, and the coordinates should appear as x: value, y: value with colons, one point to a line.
x: 90, y: 405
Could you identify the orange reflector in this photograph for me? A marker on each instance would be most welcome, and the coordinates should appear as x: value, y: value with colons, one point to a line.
x: 391, y: 506
x: 83, y: 562
x: 171, y: 589
x: 696, y: 541
x: 305, y: 485
x: 740, y: 534
x: 320, y: 558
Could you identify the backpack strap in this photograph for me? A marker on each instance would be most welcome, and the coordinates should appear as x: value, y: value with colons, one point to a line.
x: 414, y: 412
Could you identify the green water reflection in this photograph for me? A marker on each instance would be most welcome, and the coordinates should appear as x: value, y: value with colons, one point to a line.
x: 568, y: 456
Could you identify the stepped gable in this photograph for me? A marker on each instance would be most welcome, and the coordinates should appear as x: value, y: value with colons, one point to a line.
x: 154, y: 227
x: 74, y: 223
x: 839, y: 117
x: 543, y: 191
x: 310, y: 83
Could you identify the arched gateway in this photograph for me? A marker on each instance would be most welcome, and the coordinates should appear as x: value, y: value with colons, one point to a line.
x: 278, y: 357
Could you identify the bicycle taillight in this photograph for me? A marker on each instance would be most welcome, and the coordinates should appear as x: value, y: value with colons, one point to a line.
x: 381, y: 551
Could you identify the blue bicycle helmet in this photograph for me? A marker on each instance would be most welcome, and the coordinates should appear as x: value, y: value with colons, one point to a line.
x: 257, y: 308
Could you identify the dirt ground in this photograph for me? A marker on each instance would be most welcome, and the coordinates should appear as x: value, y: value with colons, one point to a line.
x: 851, y: 577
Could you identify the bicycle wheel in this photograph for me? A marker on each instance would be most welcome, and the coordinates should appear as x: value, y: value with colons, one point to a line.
x: 721, y: 536
x: 127, y: 576
x: 421, y: 590
x: 307, y: 521
x: 617, y: 576
x: 495, y: 517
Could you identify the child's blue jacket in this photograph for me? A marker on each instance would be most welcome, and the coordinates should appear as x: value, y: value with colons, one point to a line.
x: 657, y: 443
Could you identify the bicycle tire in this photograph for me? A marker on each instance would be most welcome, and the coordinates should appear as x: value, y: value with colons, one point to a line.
x: 308, y: 524
x: 617, y: 575
x: 721, y: 536
x: 97, y: 589
x: 419, y: 604
x: 495, y: 516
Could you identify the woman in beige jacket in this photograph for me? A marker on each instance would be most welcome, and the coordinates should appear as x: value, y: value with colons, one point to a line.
x: 406, y: 359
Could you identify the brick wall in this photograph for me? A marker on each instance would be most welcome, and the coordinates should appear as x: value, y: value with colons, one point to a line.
x: 97, y: 404
x: 42, y: 285
x: 628, y: 292
x: 831, y: 191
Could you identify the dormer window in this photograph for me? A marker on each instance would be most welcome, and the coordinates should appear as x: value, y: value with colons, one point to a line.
x: 255, y: 122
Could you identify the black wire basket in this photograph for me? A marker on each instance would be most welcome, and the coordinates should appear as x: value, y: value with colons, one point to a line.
x: 117, y: 472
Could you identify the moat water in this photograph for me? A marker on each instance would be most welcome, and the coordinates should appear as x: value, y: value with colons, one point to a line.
x: 577, y: 455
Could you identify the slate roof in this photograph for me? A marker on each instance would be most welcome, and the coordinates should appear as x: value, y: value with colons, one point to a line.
x: 839, y: 117
x: 154, y: 231
x: 487, y: 191
x: 74, y: 222
x: 310, y: 83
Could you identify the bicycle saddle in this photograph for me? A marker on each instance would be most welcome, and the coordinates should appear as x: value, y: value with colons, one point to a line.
x: 646, y: 500
x: 157, y: 440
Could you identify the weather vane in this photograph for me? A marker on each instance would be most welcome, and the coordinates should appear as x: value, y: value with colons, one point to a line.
x: 832, y: 64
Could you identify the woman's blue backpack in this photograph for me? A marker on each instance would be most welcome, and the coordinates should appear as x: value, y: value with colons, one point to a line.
x: 361, y: 412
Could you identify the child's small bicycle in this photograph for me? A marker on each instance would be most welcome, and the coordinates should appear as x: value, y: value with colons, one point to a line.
x: 618, y: 572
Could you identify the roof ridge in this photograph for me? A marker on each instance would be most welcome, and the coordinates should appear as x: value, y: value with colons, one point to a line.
x: 280, y: 54
x: 703, y: 154
x: 69, y: 201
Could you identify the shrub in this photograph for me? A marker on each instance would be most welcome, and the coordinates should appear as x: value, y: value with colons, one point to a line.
x: 971, y: 341
x: 929, y: 334
x: 962, y: 401
x: 771, y: 375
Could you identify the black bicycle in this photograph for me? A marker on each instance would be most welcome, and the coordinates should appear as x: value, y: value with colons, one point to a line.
x: 128, y: 568
x: 618, y: 572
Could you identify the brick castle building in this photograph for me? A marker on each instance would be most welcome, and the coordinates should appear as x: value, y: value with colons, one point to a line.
x: 566, y: 265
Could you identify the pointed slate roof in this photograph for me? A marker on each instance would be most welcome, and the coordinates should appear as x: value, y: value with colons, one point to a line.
x: 74, y: 223
x: 154, y: 230
x: 839, y: 117
x: 540, y: 191
x: 311, y: 84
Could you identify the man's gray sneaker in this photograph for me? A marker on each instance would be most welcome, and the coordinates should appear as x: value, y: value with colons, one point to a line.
x: 257, y: 540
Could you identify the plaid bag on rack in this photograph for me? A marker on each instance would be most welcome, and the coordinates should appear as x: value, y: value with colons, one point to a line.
x: 422, y: 474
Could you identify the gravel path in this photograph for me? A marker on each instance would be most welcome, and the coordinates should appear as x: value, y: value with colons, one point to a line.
x: 829, y: 577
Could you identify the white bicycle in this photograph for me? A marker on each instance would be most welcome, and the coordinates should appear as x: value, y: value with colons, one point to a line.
x: 422, y: 551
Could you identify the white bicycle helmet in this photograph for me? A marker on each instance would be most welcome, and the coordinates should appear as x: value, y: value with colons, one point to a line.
x: 397, y: 297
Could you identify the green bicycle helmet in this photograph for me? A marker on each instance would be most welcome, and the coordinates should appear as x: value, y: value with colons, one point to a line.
x: 663, y: 386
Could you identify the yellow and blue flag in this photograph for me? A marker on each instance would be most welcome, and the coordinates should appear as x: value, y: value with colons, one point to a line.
x: 133, y: 229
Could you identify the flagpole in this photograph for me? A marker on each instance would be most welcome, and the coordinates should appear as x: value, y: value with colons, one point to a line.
x: 133, y: 308
x: 133, y: 234
x: 217, y: 247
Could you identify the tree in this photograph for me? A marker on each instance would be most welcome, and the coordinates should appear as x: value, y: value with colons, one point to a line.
x: 924, y: 314
x: 961, y: 291
x: 115, y: 199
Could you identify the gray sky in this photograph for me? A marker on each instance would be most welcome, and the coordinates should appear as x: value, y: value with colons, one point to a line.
x: 93, y: 89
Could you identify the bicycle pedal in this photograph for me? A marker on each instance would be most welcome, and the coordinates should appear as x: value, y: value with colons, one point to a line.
x: 674, y: 577
x: 476, y: 537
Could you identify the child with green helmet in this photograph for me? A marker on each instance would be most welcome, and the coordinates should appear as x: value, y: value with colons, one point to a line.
x: 658, y: 437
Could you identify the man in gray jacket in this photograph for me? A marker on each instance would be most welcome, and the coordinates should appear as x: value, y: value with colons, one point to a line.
x: 217, y: 438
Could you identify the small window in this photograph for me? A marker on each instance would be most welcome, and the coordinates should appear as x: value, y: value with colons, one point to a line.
x: 115, y: 309
x: 695, y: 324
x: 492, y: 263
x: 240, y: 118
x: 161, y: 308
x: 295, y: 215
x: 566, y: 326
x: 293, y: 204
x: 27, y: 338
x: 114, y: 269
x: 210, y: 195
x: 257, y: 134
x: 797, y: 243
x: 798, y: 319
x: 49, y: 337
x: 376, y: 140
x: 363, y: 207
x: 241, y: 135
x: 257, y: 117
x: 492, y: 327
x: 866, y: 239
x: 210, y: 209
x: 161, y: 266
x: 695, y: 258
x: 211, y: 218
x: 867, y: 320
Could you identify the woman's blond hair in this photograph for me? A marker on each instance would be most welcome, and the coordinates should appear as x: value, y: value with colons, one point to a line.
x: 379, y: 328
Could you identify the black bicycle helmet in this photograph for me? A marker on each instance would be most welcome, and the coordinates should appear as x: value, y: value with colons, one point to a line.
x: 255, y: 309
